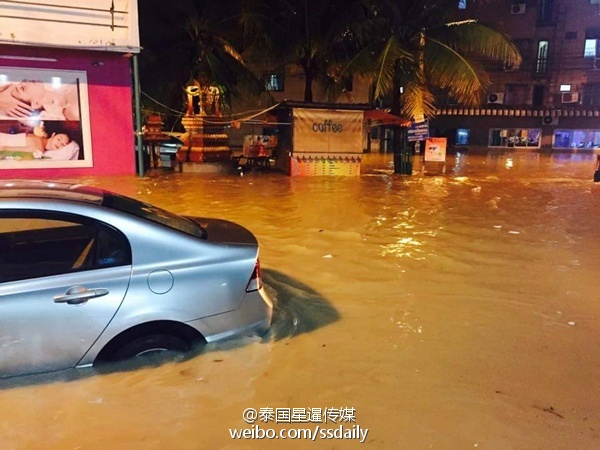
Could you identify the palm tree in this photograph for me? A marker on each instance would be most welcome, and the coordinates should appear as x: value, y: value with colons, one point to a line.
x: 319, y: 37
x: 192, y: 42
x: 419, y: 51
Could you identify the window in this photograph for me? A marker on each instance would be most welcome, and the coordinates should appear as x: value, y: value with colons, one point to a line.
x: 40, y: 244
x: 153, y: 214
x: 537, y: 98
x: 462, y: 136
x: 515, y: 137
x: 591, y: 47
x: 541, y: 64
x: 462, y: 4
x: 589, y: 50
x: 273, y: 81
x: 591, y: 94
x: 545, y: 11
x: 570, y: 139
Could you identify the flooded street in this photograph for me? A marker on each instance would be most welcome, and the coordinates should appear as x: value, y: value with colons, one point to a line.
x: 452, y: 311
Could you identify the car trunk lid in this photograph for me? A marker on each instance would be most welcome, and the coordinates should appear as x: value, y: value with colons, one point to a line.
x: 225, y: 232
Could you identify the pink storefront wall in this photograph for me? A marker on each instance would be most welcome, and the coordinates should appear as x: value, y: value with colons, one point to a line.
x: 110, y: 108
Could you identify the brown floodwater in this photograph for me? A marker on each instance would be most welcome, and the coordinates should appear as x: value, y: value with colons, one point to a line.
x: 439, y: 311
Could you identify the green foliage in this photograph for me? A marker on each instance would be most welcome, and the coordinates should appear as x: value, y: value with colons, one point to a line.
x: 192, y: 42
x: 413, y: 45
x: 422, y: 51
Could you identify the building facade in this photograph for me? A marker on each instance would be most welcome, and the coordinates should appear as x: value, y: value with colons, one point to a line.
x: 65, y: 71
x: 551, y: 101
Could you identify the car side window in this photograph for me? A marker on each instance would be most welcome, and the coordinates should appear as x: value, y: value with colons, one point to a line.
x: 112, y: 249
x: 40, y: 244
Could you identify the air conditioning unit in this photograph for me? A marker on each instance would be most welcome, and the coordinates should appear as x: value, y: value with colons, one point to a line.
x: 596, y: 64
x: 549, y: 120
x: 496, y: 98
x: 507, y: 67
x: 518, y: 8
x: 569, y: 97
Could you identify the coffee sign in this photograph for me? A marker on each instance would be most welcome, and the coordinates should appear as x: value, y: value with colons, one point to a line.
x: 327, y: 126
x: 328, y: 131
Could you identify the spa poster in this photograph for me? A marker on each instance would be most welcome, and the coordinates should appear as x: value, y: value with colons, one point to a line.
x: 44, y: 119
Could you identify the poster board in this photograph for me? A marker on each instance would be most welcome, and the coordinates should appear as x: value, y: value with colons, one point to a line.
x: 435, y: 149
x: 44, y: 119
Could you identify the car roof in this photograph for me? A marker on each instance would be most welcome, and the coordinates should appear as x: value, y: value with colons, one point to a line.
x: 37, y: 189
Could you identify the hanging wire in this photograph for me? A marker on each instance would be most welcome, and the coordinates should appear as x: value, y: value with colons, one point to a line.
x: 161, y: 104
x: 244, y: 116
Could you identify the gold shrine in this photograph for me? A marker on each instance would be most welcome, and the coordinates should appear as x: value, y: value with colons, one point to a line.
x: 204, y: 140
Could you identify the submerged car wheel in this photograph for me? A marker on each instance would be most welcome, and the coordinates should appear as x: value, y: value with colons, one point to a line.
x: 153, y: 344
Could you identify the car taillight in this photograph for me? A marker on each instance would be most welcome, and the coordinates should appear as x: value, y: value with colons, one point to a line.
x: 255, y: 282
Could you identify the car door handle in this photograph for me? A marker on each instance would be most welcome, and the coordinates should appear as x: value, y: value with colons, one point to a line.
x: 79, y: 294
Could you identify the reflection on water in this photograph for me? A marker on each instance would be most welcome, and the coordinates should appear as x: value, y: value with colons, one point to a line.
x: 299, y: 309
x: 451, y: 311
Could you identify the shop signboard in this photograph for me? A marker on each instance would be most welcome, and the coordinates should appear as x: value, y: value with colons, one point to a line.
x: 326, y: 142
x: 107, y: 25
x: 418, y: 131
x: 328, y: 131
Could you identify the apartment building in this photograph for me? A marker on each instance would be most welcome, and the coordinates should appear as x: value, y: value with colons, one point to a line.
x: 549, y: 102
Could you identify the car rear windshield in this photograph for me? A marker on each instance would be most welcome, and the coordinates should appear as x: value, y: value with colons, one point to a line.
x: 149, y: 212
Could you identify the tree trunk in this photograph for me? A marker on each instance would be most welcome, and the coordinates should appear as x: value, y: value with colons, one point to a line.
x: 308, y: 82
x: 396, y: 97
x: 402, y: 152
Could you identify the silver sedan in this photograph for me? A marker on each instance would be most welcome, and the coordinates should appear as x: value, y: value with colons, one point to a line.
x: 89, y: 276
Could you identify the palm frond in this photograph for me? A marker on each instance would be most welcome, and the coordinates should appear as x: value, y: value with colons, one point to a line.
x: 417, y: 100
x: 447, y: 69
x: 472, y: 37
x: 229, y: 49
x: 392, y: 52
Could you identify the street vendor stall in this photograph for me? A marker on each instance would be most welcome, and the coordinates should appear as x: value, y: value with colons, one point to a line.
x: 323, y: 139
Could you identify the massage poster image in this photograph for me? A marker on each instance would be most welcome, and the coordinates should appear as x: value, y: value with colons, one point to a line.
x: 44, y: 119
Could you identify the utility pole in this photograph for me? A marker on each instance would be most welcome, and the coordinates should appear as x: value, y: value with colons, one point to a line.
x: 138, y: 116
